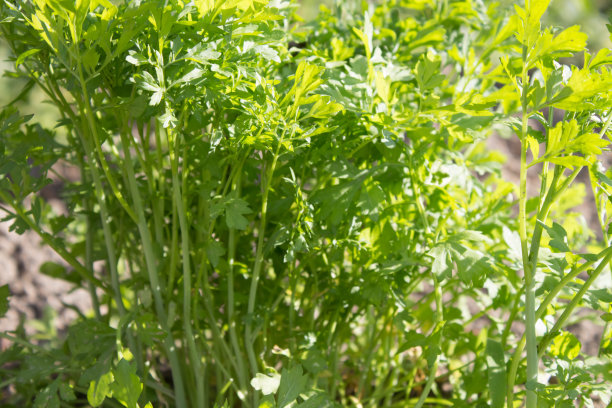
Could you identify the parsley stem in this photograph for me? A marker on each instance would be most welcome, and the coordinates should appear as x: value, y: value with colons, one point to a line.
x: 231, y: 252
x: 153, y: 275
x: 529, y: 273
x: 248, y: 331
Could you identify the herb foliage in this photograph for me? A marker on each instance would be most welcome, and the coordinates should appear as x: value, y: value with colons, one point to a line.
x: 272, y: 214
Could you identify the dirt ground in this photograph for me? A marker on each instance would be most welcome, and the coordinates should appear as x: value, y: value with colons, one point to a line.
x: 34, y: 296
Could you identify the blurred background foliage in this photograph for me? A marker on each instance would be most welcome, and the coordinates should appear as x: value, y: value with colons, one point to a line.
x: 591, y: 15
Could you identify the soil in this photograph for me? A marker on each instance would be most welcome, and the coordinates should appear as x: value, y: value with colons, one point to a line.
x: 34, y: 296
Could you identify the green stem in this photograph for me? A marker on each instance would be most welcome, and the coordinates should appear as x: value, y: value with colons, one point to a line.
x: 196, y: 362
x: 529, y: 273
x: 248, y: 332
x: 600, y: 206
x: 89, y: 261
x: 231, y: 254
x: 513, y: 312
x: 218, y: 342
x: 552, y: 193
x: 438, y: 326
x: 89, y: 120
x: 542, y: 309
x: 569, y: 308
x: 151, y: 267
x: 530, y: 264
x: 89, y: 240
x: 439, y: 316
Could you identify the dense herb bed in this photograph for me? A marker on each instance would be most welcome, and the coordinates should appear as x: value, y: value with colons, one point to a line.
x: 272, y: 214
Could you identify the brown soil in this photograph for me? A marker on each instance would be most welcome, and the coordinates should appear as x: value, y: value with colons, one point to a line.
x: 34, y: 296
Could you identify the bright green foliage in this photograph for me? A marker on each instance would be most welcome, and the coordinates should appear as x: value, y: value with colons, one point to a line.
x: 271, y: 214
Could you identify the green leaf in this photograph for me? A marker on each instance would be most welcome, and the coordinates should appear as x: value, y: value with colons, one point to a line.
x: 315, y: 361
x: 202, y: 54
x: 136, y: 58
x: 496, y: 370
x: 366, y: 40
x: 22, y: 57
x: 195, y: 73
x: 267, y: 402
x: 534, y: 146
x: 558, y: 237
x: 603, y: 57
x: 99, y: 389
x: 588, y: 144
x: 604, y: 179
x: 292, y: 383
x: 607, y: 317
x: 47, y: 398
x: 235, y: 209
x: 267, y: 52
x: 168, y: 120
x: 570, y: 39
x: 126, y: 387
x: 58, y: 271
x: 569, y: 161
x: 565, y: 345
x: 214, y: 251
x: 383, y: 86
x: 5, y: 293
x: 307, y: 79
x: 564, y: 44
x: 472, y: 266
x: 267, y: 384
x: 439, y: 265
x: 585, y: 86
x: 513, y: 241
x: 59, y: 223
x: 535, y: 10
x: 431, y: 354
x: 90, y: 59
x: 427, y: 72
x: 146, y: 82
x: 529, y: 31
x: 604, y: 295
x: 204, y: 6
x: 318, y: 400
x: 413, y: 339
x: 323, y: 108
x: 156, y: 99
x: 66, y: 392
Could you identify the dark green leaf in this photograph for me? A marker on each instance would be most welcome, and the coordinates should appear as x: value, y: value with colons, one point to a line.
x: 58, y: 271
x: 292, y: 383
x: 558, y: 237
x: 604, y: 295
x: 47, y: 398
x: 235, y: 209
x: 214, y: 251
x: 126, y: 386
x: 607, y: 317
x: 66, y: 392
x: 496, y: 367
x: 5, y: 293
